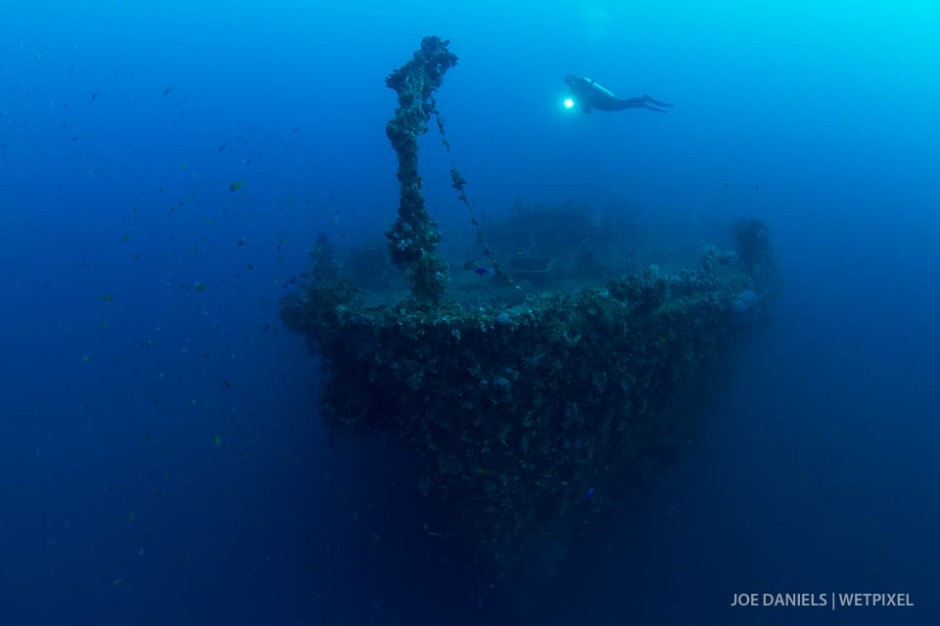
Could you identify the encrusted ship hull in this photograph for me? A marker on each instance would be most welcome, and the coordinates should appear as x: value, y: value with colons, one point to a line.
x: 525, y: 417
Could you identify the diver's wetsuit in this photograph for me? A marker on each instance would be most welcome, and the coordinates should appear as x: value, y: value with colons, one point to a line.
x: 589, y: 95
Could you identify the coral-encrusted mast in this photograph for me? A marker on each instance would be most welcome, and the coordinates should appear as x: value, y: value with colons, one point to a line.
x: 414, y: 236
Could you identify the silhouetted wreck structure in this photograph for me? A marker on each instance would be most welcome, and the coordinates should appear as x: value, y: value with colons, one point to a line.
x: 522, y: 408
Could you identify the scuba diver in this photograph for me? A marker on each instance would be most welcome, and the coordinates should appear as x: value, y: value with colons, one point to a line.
x: 589, y: 95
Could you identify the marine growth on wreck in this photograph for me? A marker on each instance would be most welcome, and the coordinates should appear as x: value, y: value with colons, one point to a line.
x: 527, y: 403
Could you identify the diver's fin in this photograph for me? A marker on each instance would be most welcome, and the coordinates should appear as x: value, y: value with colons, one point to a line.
x: 658, y: 103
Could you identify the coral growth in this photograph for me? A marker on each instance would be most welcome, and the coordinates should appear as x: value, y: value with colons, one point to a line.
x: 414, y: 236
x: 515, y: 413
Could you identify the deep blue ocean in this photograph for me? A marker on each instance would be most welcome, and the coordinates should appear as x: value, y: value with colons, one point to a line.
x: 166, y: 166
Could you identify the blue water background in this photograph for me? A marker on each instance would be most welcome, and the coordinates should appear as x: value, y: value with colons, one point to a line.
x: 161, y: 456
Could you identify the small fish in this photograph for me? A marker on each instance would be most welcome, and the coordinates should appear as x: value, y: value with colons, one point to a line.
x: 226, y: 383
x: 236, y: 185
x: 117, y: 581
x: 217, y: 440
x: 482, y: 271
x: 107, y: 297
x: 168, y: 91
x: 589, y: 493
